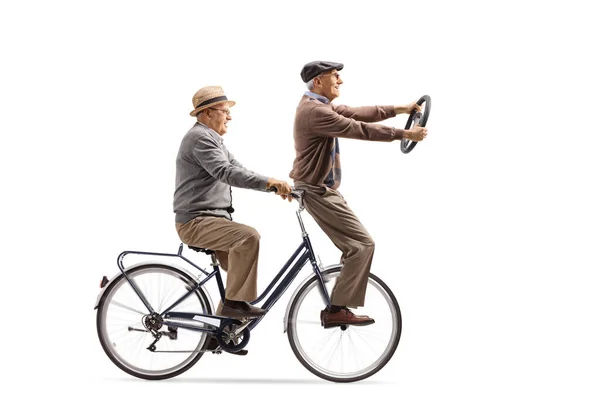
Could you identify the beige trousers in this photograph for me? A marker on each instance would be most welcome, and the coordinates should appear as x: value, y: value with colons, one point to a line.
x: 332, y: 214
x: 235, y: 245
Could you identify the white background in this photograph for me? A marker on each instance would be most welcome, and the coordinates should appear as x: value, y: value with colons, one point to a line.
x: 487, y: 232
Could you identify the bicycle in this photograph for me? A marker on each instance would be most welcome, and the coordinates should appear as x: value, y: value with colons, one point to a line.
x: 155, y: 319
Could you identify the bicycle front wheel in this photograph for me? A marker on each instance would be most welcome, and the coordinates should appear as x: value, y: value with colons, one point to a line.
x: 125, y: 325
x: 346, y: 353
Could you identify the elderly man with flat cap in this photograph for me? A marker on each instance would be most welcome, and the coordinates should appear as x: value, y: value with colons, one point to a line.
x: 205, y: 173
x: 317, y: 170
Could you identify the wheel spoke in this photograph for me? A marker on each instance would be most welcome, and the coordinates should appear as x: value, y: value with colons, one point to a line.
x: 332, y: 352
x: 326, y: 341
x: 366, y: 343
x: 118, y: 304
x: 354, y: 352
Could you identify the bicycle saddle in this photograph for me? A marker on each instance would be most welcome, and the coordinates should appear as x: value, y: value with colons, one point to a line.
x: 200, y: 249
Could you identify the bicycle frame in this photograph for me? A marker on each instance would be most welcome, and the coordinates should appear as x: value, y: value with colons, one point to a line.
x: 303, y: 253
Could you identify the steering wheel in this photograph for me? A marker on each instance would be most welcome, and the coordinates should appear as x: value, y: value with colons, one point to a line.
x: 415, y: 118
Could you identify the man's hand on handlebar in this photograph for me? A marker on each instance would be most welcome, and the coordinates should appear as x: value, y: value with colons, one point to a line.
x: 280, y: 187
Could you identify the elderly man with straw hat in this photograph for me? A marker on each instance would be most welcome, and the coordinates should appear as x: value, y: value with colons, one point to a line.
x: 205, y: 173
x: 317, y: 170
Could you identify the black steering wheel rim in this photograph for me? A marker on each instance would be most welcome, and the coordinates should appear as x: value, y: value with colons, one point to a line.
x: 406, y: 145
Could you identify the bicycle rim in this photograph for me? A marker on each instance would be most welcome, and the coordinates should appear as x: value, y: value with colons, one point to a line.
x: 344, y: 355
x: 126, y: 339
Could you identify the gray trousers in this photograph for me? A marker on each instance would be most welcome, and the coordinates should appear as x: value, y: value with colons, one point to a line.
x: 331, y: 212
x: 236, y: 246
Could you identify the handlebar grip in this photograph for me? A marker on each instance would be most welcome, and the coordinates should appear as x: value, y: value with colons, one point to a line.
x: 296, y: 194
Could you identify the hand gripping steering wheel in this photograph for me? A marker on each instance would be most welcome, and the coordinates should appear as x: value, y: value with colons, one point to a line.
x: 415, y: 118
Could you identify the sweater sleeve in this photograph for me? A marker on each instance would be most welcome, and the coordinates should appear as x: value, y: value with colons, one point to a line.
x: 366, y: 114
x: 324, y: 121
x: 213, y: 159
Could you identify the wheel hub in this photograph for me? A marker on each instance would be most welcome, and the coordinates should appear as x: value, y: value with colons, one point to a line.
x: 152, y: 322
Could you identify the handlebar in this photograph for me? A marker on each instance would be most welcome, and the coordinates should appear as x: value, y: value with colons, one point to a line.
x: 296, y: 194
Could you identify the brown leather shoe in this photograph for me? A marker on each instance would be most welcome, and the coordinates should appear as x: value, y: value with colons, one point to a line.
x: 343, y: 317
x: 240, y: 309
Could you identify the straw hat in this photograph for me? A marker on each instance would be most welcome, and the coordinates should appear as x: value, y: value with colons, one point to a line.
x: 208, y: 96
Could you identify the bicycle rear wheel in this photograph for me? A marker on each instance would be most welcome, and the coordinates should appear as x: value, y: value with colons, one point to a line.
x: 123, y: 323
x: 348, y: 353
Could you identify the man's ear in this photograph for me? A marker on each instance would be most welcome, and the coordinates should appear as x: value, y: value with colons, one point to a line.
x: 205, y: 112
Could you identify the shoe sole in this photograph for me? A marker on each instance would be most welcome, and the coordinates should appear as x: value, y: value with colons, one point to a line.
x: 337, y: 324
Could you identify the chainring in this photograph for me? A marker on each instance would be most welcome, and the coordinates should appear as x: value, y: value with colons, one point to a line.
x: 229, y: 340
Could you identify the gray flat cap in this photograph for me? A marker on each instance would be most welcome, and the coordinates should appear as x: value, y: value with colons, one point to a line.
x: 314, y: 68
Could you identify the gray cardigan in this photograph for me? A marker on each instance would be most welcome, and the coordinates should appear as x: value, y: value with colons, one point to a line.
x: 205, y: 172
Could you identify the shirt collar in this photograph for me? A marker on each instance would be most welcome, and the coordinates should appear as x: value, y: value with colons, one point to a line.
x: 211, y: 132
x: 322, y: 99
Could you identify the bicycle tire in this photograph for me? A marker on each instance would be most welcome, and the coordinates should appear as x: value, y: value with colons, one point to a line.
x: 110, y: 347
x: 374, y: 283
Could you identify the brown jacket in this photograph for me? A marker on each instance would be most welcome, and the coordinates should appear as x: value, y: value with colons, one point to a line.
x: 318, y: 124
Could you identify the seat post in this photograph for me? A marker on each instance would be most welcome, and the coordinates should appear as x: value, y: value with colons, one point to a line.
x: 300, y: 198
x: 304, y: 234
x: 216, y: 264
